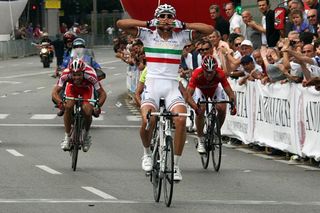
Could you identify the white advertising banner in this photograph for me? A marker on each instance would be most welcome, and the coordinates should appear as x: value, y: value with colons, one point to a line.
x: 281, y: 116
x: 274, y: 116
x: 309, y: 122
x: 239, y: 126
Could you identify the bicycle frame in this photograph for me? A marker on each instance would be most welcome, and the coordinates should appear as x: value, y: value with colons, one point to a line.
x: 78, y: 124
x: 162, y: 153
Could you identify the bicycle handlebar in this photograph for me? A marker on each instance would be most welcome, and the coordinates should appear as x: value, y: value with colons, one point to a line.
x: 164, y: 114
x: 81, y: 99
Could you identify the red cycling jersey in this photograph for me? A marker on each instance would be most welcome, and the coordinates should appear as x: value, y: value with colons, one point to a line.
x: 85, y: 89
x: 208, y: 88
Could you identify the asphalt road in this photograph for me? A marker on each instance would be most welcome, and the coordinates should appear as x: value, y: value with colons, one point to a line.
x: 36, y: 175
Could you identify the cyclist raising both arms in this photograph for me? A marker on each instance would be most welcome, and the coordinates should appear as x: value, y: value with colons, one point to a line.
x: 164, y: 38
x: 204, y: 83
x: 81, y: 80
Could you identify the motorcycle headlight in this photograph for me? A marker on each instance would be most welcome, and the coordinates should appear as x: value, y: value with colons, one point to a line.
x: 44, y: 50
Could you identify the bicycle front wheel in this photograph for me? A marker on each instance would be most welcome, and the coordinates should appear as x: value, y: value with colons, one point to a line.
x: 155, y: 174
x: 76, y: 136
x: 168, y: 171
x: 205, y: 157
x: 216, y: 145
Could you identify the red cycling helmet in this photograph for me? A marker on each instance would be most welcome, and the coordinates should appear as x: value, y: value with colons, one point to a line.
x: 209, y: 63
x: 77, y: 65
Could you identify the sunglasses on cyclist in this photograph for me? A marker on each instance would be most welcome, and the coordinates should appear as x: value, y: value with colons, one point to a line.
x: 237, y: 44
x: 164, y: 15
x: 78, y: 46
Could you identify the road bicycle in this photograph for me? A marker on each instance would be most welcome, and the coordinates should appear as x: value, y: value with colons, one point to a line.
x: 162, y: 148
x: 212, y: 134
x: 76, y: 142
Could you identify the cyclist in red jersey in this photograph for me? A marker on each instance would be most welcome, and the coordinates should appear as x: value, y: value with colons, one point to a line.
x: 204, y: 82
x: 81, y: 80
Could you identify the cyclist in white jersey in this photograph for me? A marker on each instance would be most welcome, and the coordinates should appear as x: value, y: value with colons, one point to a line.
x: 164, y: 38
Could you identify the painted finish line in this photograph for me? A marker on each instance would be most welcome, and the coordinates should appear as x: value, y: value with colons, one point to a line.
x: 214, y: 202
x: 61, y: 125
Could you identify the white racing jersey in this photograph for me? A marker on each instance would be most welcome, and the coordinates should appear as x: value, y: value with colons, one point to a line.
x: 163, y: 56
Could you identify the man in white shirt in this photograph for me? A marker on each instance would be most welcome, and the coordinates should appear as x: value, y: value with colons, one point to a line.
x: 236, y: 22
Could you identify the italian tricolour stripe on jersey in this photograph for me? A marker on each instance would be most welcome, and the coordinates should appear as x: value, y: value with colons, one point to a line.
x: 163, y: 56
x: 158, y: 55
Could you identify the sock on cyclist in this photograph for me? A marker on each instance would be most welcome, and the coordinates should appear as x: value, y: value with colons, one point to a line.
x: 146, y: 151
x: 177, y: 160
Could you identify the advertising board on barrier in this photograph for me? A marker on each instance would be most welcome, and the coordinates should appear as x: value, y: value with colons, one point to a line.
x: 281, y: 116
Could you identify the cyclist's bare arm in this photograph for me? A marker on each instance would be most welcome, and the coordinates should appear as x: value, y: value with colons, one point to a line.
x: 131, y: 25
x: 200, y: 29
x: 190, y: 100
x: 230, y: 93
x: 55, y: 94
x: 102, y: 96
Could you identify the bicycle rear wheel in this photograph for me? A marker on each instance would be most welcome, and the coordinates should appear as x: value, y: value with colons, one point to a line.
x: 216, y: 144
x: 205, y: 157
x: 168, y: 171
x: 155, y: 174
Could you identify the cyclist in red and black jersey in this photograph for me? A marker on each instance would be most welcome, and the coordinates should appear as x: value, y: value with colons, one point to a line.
x: 204, y: 82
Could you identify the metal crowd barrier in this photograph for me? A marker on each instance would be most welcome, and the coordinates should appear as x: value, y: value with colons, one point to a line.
x: 16, y: 49
x: 23, y: 48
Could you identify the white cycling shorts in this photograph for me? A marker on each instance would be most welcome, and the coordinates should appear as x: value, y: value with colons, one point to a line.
x: 156, y: 88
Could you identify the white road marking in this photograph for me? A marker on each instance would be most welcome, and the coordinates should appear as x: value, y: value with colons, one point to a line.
x: 40, y: 87
x: 24, y: 75
x: 100, y: 118
x: 48, y: 169
x: 0, y: 141
x: 61, y: 125
x: 264, y: 156
x: 98, y: 192
x: 15, y: 93
x: 10, y: 82
x: 4, y: 96
x: 14, y: 153
x: 43, y: 116
x: 245, y: 151
x: 36, y: 200
x: 26, y: 91
x: 133, y: 118
x: 308, y: 167
x: 3, y: 116
x: 109, y: 62
x: 117, y: 74
x: 224, y: 202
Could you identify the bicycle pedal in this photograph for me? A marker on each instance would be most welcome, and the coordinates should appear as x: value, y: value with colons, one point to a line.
x: 148, y: 174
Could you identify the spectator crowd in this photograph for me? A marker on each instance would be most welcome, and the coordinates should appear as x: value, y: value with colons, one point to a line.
x: 250, y: 50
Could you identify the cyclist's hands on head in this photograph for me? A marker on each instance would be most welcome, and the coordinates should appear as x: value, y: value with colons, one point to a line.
x: 177, y: 24
x: 153, y: 23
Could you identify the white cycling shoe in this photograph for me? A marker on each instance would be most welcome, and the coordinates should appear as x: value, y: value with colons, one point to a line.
x: 147, y: 163
x: 86, y: 143
x: 201, y: 147
x: 177, y: 174
x: 65, y: 145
